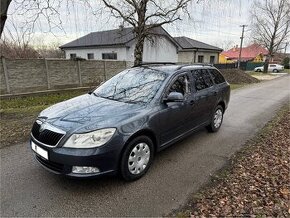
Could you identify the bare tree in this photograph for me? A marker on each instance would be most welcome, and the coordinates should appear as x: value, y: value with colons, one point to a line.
x: 16, y: 42
x: 145, y: 15
x: 33, y: 11
x: 4, y: 4
x: 271, y: 25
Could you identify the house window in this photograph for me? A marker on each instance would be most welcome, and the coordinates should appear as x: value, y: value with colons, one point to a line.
x: 109, y: 56
x: 90, y: 56
x: 73, y: 55
x: 200, y: 59
x: 212, y: 59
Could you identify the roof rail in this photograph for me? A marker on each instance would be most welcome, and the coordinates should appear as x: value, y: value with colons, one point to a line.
x: 187, y: 65
x: 203, y: 64
x: 154, y: 63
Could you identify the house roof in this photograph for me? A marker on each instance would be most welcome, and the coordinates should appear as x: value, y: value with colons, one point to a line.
x: 120, y: 37
x: 248, y: 53
x: 188, y: 43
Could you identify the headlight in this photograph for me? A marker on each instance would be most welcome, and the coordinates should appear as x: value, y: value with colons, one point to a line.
x: 91, y: 139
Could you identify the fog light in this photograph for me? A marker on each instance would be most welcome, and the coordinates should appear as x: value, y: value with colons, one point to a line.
x: 85, y: 169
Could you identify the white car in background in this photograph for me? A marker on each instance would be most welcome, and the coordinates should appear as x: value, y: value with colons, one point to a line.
x: 275, y: 68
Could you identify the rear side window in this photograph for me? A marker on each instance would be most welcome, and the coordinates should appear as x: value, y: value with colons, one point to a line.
x: 202, y: 79
x: 217, y: 77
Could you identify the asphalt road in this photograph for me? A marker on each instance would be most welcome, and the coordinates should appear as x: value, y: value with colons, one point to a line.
x: 29, y: 190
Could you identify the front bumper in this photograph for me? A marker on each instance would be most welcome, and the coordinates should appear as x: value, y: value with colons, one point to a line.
x: 61, y: 160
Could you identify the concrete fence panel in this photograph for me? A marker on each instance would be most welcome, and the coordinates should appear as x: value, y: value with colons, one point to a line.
x: 30, y: 75
x: 63, y: 74
x: 92, y: 72
x: 3, y: 88
x: 25, y: 75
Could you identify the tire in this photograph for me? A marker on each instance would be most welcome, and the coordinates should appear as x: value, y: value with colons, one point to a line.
x: 275, y: 71
x: 135, y: 171
x: 216, y: 120
x: 259, y: 70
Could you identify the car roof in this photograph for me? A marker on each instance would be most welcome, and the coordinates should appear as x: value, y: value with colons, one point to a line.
x: 172, y: 68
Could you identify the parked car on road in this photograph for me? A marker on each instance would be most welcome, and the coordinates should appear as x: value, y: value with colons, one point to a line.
x: 275, y: 68
x: 122, y: 124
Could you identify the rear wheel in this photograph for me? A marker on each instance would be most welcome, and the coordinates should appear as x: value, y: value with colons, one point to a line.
x: 216, y: 120
x: 137, y: 158
x: 259, y: 70
x: 275, y: 71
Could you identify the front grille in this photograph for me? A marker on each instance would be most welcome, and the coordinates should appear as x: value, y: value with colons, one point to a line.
x: 50, y: 165
x: 46, y: 136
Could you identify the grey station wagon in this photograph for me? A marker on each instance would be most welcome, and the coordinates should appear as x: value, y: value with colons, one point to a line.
x: 123, y: 123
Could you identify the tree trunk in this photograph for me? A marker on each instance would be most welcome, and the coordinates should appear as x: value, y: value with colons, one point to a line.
x: 3, y: 16
x: 266, y: 65
x: 138, y: 52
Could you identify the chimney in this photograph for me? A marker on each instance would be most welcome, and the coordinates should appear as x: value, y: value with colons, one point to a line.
x: 236, y: 47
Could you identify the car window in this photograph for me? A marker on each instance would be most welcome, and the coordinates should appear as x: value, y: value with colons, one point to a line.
x: 272, y: 65
x: 181, y: 84
x: 217, y: 77
x: 202, y: 79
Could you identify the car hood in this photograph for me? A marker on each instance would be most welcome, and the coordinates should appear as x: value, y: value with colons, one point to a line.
x: 88, y: 112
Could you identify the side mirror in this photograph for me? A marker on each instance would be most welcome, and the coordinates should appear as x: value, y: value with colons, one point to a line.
x: 174, y: 97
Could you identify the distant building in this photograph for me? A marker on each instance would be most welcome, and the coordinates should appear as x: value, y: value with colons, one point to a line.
x: 254, y: 53
x: 193, y: 51
x: 119, y: 44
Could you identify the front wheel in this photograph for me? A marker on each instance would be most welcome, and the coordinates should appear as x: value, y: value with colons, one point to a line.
x: 137, y: 158
x: 216, y: 120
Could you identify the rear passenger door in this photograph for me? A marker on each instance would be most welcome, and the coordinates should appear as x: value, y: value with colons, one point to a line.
x: 204, y: 96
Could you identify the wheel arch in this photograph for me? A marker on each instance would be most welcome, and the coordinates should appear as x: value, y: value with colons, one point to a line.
x: 143, y: 132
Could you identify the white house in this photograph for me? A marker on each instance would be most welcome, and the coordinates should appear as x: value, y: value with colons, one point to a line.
x: 119, y: 44
x: 193, y: 51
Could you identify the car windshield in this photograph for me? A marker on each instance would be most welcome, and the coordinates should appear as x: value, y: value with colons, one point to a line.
x: 135, y: 85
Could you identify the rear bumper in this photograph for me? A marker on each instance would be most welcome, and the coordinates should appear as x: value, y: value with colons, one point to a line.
x: 61, y: 160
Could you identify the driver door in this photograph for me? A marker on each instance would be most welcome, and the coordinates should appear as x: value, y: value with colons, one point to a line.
x: 174, y: 116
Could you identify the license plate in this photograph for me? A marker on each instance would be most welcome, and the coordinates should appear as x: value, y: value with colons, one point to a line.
x: 43, y: 153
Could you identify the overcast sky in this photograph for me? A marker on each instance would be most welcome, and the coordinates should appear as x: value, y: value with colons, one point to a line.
x: 215, y: 22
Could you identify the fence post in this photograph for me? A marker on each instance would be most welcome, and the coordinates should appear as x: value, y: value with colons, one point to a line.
x: 6, y: 75
x: 79, y: 73
x: 47, y: 74
x: 105, y: 70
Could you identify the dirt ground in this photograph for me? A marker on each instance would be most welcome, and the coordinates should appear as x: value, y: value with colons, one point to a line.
x: 236, y: 76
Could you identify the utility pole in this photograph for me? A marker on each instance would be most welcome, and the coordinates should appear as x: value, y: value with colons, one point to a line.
x: 241, y: 46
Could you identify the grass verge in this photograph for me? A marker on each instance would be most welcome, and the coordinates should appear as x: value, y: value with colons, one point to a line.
x: 237, y: 86
x: 254, y: 183
x: 18, y: 114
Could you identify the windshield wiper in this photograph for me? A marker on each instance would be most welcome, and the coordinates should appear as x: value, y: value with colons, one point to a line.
x: 95, y: 94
